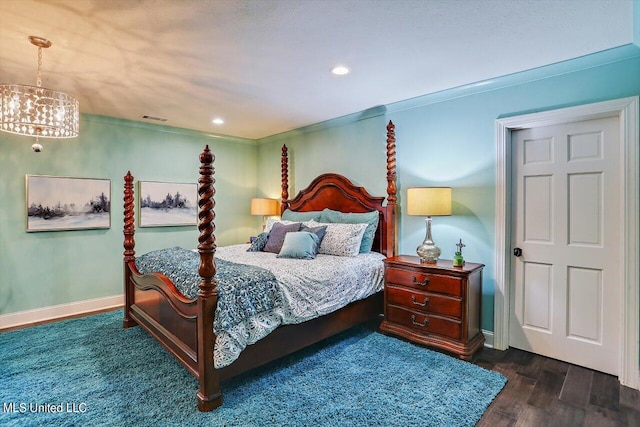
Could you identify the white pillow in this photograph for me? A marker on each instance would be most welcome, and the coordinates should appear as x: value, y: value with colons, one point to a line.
x: 340, y: 239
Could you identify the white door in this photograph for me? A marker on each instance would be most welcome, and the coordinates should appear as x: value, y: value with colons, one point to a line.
x: 566, y: 300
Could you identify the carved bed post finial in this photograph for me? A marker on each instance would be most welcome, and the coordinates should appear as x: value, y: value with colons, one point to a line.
x: 206, y: 226
x: 129, y: 227
x: 392, y: 205
x: 285, y: 179
x: 209, y: 395
x: 391, y: 163
x: 129, y: 249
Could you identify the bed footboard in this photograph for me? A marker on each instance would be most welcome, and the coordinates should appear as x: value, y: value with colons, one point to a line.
x: 184, y: 327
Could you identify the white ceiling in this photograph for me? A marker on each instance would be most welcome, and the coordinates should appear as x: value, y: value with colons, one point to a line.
x: 263, y: 65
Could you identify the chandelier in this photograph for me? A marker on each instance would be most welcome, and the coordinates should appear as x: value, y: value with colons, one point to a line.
x: 37, y: 111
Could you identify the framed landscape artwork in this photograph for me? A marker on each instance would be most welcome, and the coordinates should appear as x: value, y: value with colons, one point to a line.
x: 164, y: 204
x: 57, y: 203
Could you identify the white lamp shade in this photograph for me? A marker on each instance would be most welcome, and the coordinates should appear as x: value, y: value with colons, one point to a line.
x: 429, y: 201
x: 264, y: 207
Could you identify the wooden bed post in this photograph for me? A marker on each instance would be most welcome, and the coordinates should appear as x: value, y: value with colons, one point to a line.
x: 129, y: 248
x: 285, y: 179
x: 209, y: 395
x: 392, y: 204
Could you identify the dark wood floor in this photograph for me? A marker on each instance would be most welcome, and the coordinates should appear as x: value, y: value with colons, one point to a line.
x: 547, y: 392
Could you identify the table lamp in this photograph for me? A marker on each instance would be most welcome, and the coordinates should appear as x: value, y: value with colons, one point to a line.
x: 429, y: 201
x: 264, y: 207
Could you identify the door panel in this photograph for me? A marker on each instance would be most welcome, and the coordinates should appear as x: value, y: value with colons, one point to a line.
x: 585, y: 209
x: 585, y: 304
x: 566, y: 285
x: 538, y: 208
x: 537, y: 296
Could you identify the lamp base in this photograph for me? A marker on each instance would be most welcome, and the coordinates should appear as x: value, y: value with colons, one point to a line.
x: 428, y: 251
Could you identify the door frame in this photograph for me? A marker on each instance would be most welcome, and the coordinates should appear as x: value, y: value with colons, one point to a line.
x: 626, y: 110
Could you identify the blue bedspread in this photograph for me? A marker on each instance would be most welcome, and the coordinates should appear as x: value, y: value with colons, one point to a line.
x: 243, y: 290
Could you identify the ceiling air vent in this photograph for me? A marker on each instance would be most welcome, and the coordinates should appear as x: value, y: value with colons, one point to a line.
x: 157, y: 119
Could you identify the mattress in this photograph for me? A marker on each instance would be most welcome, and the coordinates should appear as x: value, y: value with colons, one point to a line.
x: 310, y: 288
x: 259, y: 292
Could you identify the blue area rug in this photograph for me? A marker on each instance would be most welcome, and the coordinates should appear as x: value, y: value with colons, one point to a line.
x: 91, y: 371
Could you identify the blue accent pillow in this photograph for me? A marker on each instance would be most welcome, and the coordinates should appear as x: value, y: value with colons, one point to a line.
x: 257, y: 245
x: 318, y: 231
x: 299, y: 245
x: 277, y: 235
x: 301, y: 216
x: 369, y: 218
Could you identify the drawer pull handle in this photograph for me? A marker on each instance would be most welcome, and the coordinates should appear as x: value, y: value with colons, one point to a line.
x: 421, y: 304
x: 423, y: 283
x: 413, y: 320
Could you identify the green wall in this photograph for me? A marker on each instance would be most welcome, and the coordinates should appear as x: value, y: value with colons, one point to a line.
x: 41, y: 269
x: 448, y: 139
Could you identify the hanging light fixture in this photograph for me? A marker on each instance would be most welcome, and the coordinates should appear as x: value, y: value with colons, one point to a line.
x: 37, y: 111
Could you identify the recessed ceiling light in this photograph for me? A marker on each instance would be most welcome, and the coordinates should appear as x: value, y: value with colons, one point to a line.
x: 218, y: 121
x: 340, y: 70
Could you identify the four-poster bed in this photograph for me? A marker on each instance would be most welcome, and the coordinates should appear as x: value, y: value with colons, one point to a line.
x: 185, y: 326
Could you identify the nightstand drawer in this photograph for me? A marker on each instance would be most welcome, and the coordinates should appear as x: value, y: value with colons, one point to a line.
x: 423, y: 301
x: 424, y: 281
x: 425, y: 323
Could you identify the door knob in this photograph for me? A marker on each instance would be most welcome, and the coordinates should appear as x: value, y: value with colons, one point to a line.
x: 517, y: 252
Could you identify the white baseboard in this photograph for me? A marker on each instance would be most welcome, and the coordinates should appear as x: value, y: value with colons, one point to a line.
x: 46, y: 314
x: 488, y: 338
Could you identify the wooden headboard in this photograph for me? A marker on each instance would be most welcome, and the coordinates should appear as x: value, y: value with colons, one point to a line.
x: 336, y: 192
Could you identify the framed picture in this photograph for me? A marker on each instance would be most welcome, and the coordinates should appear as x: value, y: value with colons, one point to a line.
x: 164, y: 204
x: 57, y: 203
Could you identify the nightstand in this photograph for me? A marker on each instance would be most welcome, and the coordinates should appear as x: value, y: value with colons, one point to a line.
x: 437, y: 305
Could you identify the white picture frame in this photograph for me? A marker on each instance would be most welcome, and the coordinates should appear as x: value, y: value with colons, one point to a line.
x: 55, y: 203
x: 167, y: 204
